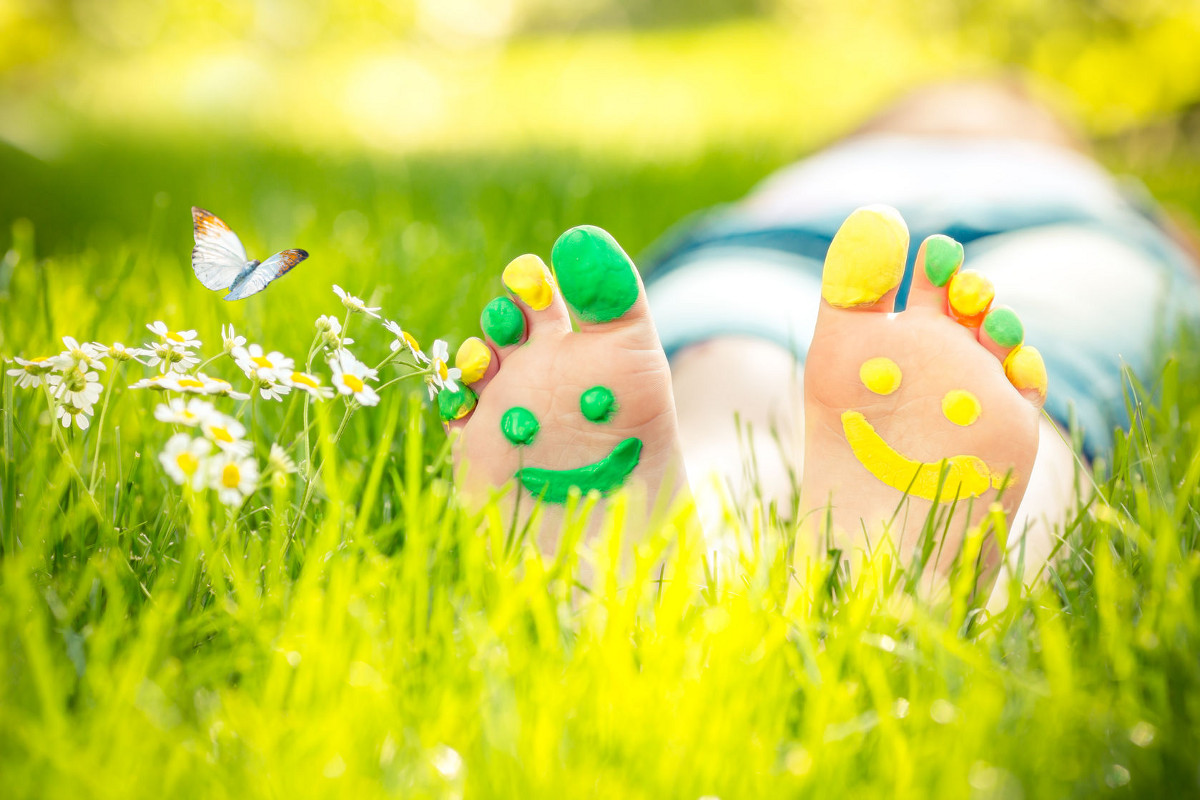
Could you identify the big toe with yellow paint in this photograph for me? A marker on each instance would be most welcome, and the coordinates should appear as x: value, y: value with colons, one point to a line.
x: 866, y: 258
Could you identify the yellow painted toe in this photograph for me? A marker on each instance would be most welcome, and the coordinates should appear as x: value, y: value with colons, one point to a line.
x: 473, y: 358
x: 527, y: 277
x: 866, y: 258
x: 1026, y: 370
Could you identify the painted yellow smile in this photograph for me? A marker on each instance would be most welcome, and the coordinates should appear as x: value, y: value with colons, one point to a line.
x: 965, y: 476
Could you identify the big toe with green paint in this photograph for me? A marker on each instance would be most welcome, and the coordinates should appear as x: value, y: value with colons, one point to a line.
x: 559, y: 411
x: 597, y: 279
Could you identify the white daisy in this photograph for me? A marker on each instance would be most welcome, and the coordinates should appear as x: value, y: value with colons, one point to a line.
x: 182, y: 339
x: 230, y: 338
x: 185, y: 459
x: 257, y: 364
x: 405, y: 339
x: 119, y: 352
x: 440, y: 375
x: 233, y: 477
x: 226, y: 433
x: 73, y: 386
x: 222, y: 388
x: 30, y: 372
x: 268, y: 369
x: 199, y: 384
x: 350, y: 377
x: 330, y: 329
x: 279, y: 461
x: 156, y: 382
x: 85, y: 355
x: 355, y: 304
x: 170, y: 357
x: 307, y: 382
x: 177, y: 411
x: 80, y: 415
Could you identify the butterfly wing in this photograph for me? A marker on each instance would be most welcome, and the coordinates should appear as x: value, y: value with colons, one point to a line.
x: 218, y: 257
x: 256, y: 280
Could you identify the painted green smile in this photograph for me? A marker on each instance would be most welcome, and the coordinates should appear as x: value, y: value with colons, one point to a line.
x: 605, y: 475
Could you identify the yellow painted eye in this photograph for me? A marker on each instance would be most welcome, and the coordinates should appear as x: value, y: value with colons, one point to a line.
x: 880, y: 375
x: 961, y: 407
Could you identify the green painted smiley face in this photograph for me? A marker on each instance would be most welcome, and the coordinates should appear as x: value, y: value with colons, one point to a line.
x: 598, y: 404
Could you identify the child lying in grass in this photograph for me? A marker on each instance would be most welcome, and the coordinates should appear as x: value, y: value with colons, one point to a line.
x: 1022, y: 265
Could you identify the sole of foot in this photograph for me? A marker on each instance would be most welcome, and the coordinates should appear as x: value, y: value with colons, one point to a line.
x: 932, y: 410
x: 548, y: 410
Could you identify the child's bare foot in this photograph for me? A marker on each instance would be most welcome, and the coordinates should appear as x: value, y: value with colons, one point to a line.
x: 939, y: 402
x: 558, y: 408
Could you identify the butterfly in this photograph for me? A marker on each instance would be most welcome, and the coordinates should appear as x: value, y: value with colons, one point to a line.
x: 219, y: 259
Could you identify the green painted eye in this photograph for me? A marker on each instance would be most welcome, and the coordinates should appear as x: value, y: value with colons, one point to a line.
x: 519, y: 425
x: 598, y: 404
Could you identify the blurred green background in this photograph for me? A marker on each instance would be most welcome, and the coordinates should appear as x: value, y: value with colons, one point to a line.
x: 414, y: 146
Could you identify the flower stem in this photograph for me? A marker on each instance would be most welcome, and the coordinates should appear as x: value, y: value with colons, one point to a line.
x: 112, y: 377
x: 64, y: 449
x: 311, y: 484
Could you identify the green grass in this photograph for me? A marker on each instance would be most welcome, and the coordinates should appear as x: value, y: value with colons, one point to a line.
x: 394, y: 644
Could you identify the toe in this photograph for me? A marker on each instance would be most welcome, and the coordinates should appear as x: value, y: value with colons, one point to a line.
x: 865, y: 262
x: 969, y: 296
x: 1027, y: 372
x: 938, y: 260
x: 503, y: 323
x: 477, y: 363
x: 1001, y: 332
x: 533, y: 287
x: 600, y: 284
x: 455, y: 405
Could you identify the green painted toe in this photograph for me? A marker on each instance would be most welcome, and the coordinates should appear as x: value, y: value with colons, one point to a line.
x: 597, y: 279
x: 502, y: 321
x: 456, y: 404
x: 1004, y: 327
x: 943, y: 257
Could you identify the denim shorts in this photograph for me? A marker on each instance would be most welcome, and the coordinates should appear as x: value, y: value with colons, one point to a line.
x: 1080, y: 256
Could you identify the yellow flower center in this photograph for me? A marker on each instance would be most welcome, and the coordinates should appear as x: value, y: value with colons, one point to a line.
x: 353, y: 381
x: 191, y: 383
x: 219, y: 433
x: 411, y: 341
x: 305, y: 379
x: 187, y: 415
x: 441, y: 369
x: 174, y: 337
x: 231, y: 476
x: 40, y: 359
x: 187, y: 462
x: 259, y: 361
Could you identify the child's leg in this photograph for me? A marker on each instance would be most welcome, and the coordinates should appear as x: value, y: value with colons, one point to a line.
x: 755, y: 407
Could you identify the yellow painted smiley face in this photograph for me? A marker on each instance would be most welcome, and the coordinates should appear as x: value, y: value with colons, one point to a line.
x: 957, y: 476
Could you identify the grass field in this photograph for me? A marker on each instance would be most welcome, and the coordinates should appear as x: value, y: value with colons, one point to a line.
x: 385, y: 642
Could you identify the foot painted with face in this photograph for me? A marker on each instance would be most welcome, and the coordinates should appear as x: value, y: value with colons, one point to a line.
x: 938, y: 403
x: 547, y: 408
